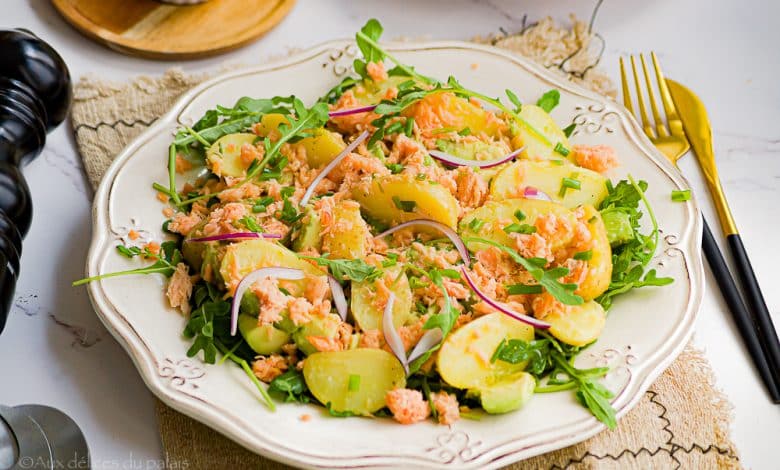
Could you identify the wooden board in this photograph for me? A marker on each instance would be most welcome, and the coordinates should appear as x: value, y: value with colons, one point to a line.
x: 157, y: 30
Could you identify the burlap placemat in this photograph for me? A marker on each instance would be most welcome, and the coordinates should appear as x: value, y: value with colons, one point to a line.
x: 681, y: 422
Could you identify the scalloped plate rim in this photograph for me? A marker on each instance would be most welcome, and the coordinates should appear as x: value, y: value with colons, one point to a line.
x: 499, y: 454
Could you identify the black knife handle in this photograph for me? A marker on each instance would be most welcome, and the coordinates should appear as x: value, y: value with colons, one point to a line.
x: 35, y: 94
x: 755, y: 301
x: 739, y: 312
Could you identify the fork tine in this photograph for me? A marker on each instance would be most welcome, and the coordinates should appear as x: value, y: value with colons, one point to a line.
x: 659, y: 123
x: 626, y: 89
x: 648, y: 127
x: 666, y: 97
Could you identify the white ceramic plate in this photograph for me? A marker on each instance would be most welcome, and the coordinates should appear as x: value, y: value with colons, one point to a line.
x: 645, y: 330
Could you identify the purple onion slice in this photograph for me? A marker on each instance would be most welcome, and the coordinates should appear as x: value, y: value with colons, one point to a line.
x: 330, y: 166
x: 289, y: 274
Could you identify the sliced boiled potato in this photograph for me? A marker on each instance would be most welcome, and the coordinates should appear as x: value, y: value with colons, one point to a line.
x: 578, y: 325
x: 242, y: 258
x: 224, y: 155
x: 327, y: 375
x: 349, y: 236
x: 547, y: 176
x: 371, y: 92
x: 367, y: 315
x: 263, y: 339
x: 399, y: 198
x: 269, y: 123
x: 495, y: 215
x: 321, y: 146
x: 507, y: 393
x: 464, y: 357
x: 600, y: 263
x: 445, y: 110
x: 536, y: 121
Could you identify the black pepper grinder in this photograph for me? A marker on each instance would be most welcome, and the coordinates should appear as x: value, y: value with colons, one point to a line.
x: 35, y: 94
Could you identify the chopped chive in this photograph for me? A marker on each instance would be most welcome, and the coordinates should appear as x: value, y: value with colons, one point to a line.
x: 569, y: 183
x: 520, y: 228
x: 354, y: 383
x: 681, y: 196
x: 395, y: 168
x: 442, y: 130
x: 464, y: 132
x: 556, y: 162
x: 476, y: 224
x: 409, y: 129
x: 287, y: 191
x: 406, y: 206
x: 392, y: 260
x: 584, y: 255
x: 394, y: 128
x: 559, y: 148
x: 569, y: 130
x: 519, y: 215
x: 522, y: 289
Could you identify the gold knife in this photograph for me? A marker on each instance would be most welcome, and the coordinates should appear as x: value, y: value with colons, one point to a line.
x: 697, y: 127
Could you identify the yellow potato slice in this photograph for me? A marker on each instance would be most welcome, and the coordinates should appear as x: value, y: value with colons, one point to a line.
x: 224, y: 155
x: 327, y: 375
x: 536, y: 146
x: 242, y: 258
x: 399, y: 198
x: 367, y: 315
x: 600, y: 263
x: 349, y: 236
x: 578, y: 325
x: 464, y: 357
x: 495, y: 215
x: 547, y: 176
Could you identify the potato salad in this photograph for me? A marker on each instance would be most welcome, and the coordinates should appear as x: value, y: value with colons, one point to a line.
x: 405, y: 247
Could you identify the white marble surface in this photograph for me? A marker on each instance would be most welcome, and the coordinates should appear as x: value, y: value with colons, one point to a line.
x: 55, y: 351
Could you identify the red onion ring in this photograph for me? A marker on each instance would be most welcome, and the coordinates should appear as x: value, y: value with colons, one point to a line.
x: 347, y: 112
x: 447, y: 231
x: 233, y: 236
x: 330, y: 166
x: 289, y: 274
x: 501, y: 308
x: 429, y: 340
x: 452, y: 160
x: 339, y: 299
x: 392, y: 338
x: 532, y: 193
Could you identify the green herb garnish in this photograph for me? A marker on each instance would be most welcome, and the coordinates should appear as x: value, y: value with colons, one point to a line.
x: 520, y: 228
x: 681, y: 195
x: 549, y: 100
x: 406, y: 206
x: 352, y: 269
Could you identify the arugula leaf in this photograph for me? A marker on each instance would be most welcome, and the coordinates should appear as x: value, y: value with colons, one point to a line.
x: 546, y: 278
x: 569, y: 130
x: 291, y: 385
x: 166, y: 263
x: 367, y: 40
x: 630, y: 259
x: 514, y: 351
x: 353, y: 269
x: 592, y: 395
x: 549, y: 100
x: 514, y: 99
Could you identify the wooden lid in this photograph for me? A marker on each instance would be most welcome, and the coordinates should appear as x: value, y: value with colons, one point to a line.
x: 157, y: 30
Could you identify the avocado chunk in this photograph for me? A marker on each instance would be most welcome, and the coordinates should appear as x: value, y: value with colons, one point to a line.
x: 327, y: 326
x: 308, y: 236
x: 263, y: 339
x: 507, y: 393
x: 619, y: 229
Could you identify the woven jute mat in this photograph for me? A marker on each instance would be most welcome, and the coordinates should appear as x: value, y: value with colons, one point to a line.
x: 681, y: 422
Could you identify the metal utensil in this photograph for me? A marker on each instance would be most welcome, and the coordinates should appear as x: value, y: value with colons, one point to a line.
x: 34, y: 450
x: 67, y: 442
x: 673, y: 142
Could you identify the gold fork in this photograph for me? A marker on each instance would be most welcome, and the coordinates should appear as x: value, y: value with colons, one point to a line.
x: 673, y: 143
